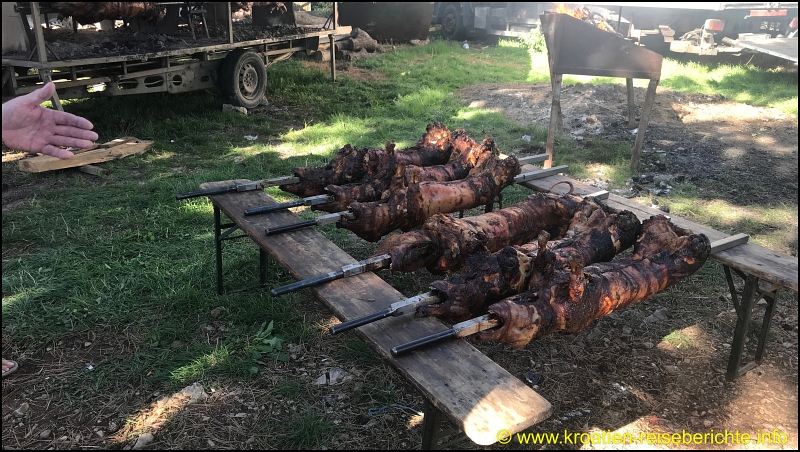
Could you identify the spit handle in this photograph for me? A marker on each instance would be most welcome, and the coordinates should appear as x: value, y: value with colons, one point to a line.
x: 355, y: 323
x: 290, y: 227
x: 402, y: 348
x: 208, y: 192
x: 273, y: 207
x: 310, y: 282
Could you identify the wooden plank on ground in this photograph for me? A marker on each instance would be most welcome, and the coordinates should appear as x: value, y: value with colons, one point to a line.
x: 475, y: 393
x: 777, y: 268
x: 115, y: 149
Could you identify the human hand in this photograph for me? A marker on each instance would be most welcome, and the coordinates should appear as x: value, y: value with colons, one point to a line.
x: 27, y: 126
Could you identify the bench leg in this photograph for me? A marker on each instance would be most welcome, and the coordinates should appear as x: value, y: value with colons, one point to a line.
x: 218, y: 247
x: 262, y: 266
x: 432, y: 432
x: 772, y: 298
x: 219, y: 237
x: 744, y: 308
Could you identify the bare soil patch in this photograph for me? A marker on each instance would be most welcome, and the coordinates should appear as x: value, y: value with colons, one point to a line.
x: 707, y: 139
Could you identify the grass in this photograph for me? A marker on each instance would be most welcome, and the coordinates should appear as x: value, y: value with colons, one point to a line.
x: 309, y: 430
x: 119, y: 255
x: 678, y: 339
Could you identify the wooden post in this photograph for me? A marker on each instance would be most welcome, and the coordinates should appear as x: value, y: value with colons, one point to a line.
x: 41, y: 49
x: 648, y: 106
x: 332, y: 38
x: 230, y: 23
x: 631, y: 104
x: 555, y: 112
x: 332, y: 49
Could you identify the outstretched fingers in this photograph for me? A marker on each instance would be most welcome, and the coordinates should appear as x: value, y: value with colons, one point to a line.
x: 74, y: 133
x: 54, y: 151
x: 63, y: 119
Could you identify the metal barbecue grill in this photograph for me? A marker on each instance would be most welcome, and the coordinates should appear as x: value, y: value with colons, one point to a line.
x: 579, y: 48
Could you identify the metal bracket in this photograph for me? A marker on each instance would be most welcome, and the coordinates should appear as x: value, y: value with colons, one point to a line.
x: 219, y: 237
x: 744, y: 307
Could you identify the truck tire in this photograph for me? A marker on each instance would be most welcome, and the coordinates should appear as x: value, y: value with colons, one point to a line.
x: 453, y: 23
x: 243, y: 78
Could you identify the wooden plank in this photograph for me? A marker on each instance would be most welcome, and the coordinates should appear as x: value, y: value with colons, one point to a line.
x: 777, y: 268
x: 115, y: 149
x: 474, y: 392
x: 93, y: 170
x: 539, y: 173
x: 729, y: 242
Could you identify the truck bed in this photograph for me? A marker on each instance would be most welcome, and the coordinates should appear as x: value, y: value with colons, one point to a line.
x: 785, y: 48
x: 66, y: 48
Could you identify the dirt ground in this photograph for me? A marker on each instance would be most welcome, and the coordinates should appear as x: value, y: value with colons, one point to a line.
x: 741, y: 154
x: 696, y: 137
x: 656, y: 367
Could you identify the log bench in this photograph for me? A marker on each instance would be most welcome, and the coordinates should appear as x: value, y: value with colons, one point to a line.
x: 459, y: 382
x: 763, y: 271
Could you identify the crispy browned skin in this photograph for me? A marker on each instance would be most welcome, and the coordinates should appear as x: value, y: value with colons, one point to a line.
x: 444, y: 243
x: 594, y: 291
x: 408, y: 207
x: 465, y: 156
x: 596, y: 233
x: 352, y: 165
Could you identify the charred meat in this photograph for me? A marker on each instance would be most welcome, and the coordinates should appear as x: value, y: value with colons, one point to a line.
x: 596, y: 234
x: 444, y: 243
x: 408, y: 207
x: 664, y: 255
x: 352, y: 165
x: 466, y: 156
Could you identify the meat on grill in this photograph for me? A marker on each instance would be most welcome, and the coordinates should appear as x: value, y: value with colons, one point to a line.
x: 408, y: 207
x: 664, y: 255
x: 352, y: 165
x: 596, y: 233
x: 444, y: 243
x: 465, y: 156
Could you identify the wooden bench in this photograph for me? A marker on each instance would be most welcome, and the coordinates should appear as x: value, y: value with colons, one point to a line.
x: 458, y: 381
x: 764, y: 271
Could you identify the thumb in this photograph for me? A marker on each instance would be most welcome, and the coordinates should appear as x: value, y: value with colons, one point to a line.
x: 42, y: 94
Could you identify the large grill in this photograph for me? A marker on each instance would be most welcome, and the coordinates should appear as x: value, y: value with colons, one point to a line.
x: 579, y: 48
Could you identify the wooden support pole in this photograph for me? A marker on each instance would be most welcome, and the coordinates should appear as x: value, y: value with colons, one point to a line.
x: 555, y: 113
x: 332, y: 38
x: 230, y: 23
x: 631, y: 104
x: 38, y: 33
x: 648, y: 106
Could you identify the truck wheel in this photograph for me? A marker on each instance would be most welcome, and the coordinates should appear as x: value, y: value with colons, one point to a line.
x: 243, y: 78
x: 453, y: 23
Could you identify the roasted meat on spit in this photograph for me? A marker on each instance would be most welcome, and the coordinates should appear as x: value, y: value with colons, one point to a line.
x: 596, y: 233
x: 466, y: 155
x: 352, y: 165
x: 408, y: 207
x: 569, y: 302
x: 444, y: 243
